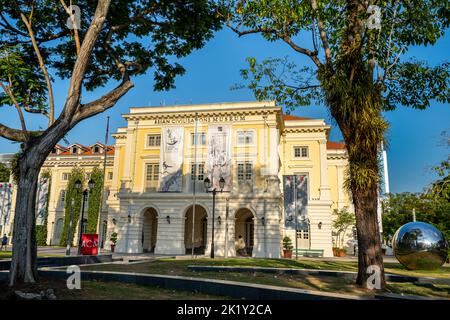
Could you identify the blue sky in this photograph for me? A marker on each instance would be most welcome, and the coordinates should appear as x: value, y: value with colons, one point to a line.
x: 414, y: 135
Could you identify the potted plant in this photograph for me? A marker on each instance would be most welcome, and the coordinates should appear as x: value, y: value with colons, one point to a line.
x: 342, y: 252
x: 287, y: 247
x: 113, y: 239
x: 335, y: 251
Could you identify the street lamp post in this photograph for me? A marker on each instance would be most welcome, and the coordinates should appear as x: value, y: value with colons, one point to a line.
x: 85, y: 194
x: 207, y: 183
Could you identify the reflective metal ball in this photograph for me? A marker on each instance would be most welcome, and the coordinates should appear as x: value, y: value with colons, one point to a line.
x: 419, y: 245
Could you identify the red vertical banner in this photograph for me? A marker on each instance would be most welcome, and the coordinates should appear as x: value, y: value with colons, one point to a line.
x: 89, y: 244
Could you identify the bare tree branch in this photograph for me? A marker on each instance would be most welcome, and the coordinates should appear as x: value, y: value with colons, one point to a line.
x: 282, y: 36
x: 105, y: 102
x: 43, y: 68
x: 16, y: 105
x: 322, y: 33
x: 81, y: 64
x: 13, y: 134
x: 75, y: 29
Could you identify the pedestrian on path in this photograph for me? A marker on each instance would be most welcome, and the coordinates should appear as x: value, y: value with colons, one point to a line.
x: 4, y: 242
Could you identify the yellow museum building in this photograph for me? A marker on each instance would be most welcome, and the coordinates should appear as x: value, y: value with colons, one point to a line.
x: 273, y: 173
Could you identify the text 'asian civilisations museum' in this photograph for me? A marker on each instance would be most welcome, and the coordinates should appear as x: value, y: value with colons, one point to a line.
x: 273, y: 174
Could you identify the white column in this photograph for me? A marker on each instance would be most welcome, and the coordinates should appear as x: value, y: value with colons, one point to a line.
x: 325, y: 191
x: 129, y: 156
x: 340, y: 186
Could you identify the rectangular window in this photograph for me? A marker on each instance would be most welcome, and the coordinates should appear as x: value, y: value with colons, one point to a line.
x: 245, y: 176
x: 303, y: 234
x: 62, y: 198
x: 201, y: 139
x: 301, y: 152
x: 245, y: 171
x: 153, y: 140
x: 152, y: 175
x: 110, y: 175
x: 245, y: 137
x: 66, y: 176
x: 200, y: 171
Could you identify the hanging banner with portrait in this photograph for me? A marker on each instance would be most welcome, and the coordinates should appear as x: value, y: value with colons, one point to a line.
x: 295, y: 188
x: 41, y: 200
x: 171, y: 160
x: 6, y: 190
x: 218, y: 157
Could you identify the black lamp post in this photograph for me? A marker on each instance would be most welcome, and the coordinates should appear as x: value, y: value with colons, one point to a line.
x: 207, y: 183
x: 85, y: 194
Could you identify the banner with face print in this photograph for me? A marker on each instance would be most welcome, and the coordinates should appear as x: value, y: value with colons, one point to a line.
x: 218, y: 157
x: 41, y: 200
x: 6, y: 190
x: 171, y: 159
x: 295, y: 201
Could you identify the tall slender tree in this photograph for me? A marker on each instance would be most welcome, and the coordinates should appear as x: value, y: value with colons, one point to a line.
x: 88, y: 44
x: 357, y: 68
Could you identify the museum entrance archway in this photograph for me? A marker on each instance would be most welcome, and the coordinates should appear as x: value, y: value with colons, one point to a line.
x: 149, y: 230
x: 244, y: 227
x: 200, y: 229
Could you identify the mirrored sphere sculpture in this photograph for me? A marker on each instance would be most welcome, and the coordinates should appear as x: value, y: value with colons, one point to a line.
x: 419, y: 245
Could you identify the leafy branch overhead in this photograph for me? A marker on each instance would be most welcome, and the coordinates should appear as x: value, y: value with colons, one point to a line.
x: 319, y: 30
x: 119, y: 40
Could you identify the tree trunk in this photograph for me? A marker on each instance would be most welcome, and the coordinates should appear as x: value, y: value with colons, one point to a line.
x: 24, y: 258
x: 369, y: 241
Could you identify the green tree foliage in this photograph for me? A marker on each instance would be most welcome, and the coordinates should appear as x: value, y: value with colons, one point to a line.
x: 356, y: 69
x: 4, y: 173
x: 94, y: 200
x: 73, y: 203
x: 137, y: 36
x: 431, y: 206
x: 398, y: 210
x: 114, y: 42
x: 41, y: 231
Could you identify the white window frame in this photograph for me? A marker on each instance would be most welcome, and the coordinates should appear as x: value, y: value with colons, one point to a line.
x: 191, y: 138
x: 300, y: 157
x: 252, y: 180
x: 146, y: 182
x: 252, y: 144
x: 63, y: 174
x: 147, y: 140
x: 62, y: 199
x: 203, y: 174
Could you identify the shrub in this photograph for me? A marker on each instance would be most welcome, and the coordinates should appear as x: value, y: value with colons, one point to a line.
x: 287, y: 243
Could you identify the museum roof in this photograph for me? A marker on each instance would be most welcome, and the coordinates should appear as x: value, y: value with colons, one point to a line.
x: 288, y: 117
x: 335, y: 145
x: 85, y: 150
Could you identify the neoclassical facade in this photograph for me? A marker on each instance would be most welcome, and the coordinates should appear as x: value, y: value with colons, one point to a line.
x: 165, y: 153
x: 281, y: 177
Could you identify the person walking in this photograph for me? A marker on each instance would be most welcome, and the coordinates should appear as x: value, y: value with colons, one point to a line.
x: 4, y: 242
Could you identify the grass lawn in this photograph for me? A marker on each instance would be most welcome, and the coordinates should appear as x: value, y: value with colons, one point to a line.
x: 7, y: 255
x: 322, y: 283
x: 97, y: 290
